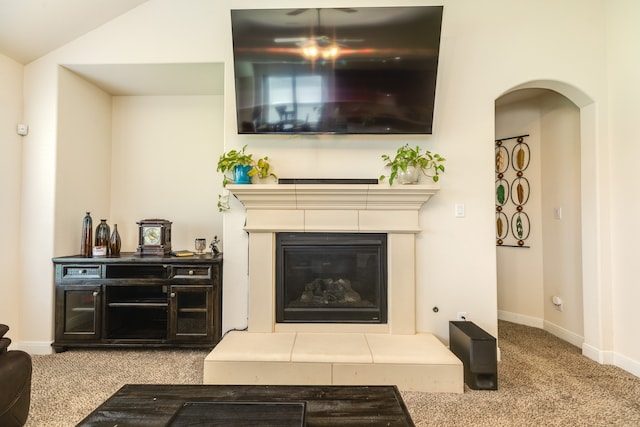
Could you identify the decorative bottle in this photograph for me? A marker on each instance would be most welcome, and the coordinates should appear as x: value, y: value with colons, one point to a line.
x: 114, y: 242
x: 87, y: 236
x: 102, y: 238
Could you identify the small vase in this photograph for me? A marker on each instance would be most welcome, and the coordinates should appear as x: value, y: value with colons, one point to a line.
x: 102, y: 238
x: 411, y: 176
x: 115, y: 242
x: 87, y: 236
x: 241, y: 174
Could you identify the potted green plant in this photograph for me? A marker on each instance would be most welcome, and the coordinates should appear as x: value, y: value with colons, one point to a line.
x: 409, y: 162
x: 239, y: 167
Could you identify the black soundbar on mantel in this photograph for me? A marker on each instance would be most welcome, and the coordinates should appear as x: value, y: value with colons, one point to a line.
x: 327, y: 181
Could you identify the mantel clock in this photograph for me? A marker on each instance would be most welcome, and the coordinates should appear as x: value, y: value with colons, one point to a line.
x: 154, y: 237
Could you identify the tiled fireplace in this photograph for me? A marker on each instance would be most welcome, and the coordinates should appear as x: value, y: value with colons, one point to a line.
x: 333, y: 208
x: 283, y: 352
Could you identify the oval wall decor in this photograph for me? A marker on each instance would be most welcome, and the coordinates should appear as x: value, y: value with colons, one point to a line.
x: 520, y: 226
x: 502, y: 159
x: 502, y: 225
x: 502, y: 192
x: 520, y: 191
x: 520, y: 156
x: 512, y: 191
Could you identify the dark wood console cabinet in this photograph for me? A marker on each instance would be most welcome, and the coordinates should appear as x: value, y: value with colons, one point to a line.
x: 133, y: 300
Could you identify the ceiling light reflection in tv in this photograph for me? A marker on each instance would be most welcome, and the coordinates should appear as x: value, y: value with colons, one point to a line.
x: 336, y: 70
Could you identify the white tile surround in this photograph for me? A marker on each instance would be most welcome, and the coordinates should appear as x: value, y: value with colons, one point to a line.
x: 297, y: 353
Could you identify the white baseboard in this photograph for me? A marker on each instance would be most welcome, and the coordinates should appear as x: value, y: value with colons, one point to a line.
x: 552, y: 328
x: 521, y: 319
x: 626, y: 363
x: 600, y: 356
x: 33, y: 347
x: 611, y: 358
x: 564, y: 334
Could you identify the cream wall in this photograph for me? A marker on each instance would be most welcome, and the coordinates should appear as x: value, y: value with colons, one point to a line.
x: 11, y: 102
x: 521, y: 270
x: 487, y: 49
x: 126, y: 158
x: 163, y: 151
x: 552, y: 265
x: 624, y: 86
x: 83, y: 159
x: 562, y: 240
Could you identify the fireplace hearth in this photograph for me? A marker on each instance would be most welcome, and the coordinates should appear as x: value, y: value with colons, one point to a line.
x: 331, y: 278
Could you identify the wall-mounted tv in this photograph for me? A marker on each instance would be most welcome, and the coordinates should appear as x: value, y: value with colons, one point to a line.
x: 369, y: 70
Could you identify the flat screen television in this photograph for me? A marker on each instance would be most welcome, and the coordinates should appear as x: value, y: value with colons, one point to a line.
x: 369, y: 70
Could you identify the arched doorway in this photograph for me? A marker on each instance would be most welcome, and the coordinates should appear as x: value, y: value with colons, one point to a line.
x: 595, y: 311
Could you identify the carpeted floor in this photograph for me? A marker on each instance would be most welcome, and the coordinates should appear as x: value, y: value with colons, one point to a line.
x: 542, y: 381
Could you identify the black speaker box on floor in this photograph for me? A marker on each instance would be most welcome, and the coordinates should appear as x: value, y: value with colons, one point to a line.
x: 476, y: 348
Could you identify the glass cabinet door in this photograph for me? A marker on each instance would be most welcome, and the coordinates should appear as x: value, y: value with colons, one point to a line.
x: 191, y: 312
x: 81, y: 312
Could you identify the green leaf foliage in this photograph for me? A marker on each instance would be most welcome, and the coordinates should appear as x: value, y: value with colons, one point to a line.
x: 430, y: 164
x: 228, y: 161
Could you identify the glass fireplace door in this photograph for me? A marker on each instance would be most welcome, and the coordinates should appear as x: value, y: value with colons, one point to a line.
x: 331, y: 278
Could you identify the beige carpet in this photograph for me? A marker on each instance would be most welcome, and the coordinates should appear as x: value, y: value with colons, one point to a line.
x: 542, y: 381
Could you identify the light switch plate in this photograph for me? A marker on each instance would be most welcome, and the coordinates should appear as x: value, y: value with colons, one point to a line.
x: 557, y: 213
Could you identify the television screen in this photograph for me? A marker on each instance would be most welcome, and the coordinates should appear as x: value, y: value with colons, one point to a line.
x: 336, y: 70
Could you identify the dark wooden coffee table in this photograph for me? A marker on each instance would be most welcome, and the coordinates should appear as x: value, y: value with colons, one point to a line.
x: 242, y: 405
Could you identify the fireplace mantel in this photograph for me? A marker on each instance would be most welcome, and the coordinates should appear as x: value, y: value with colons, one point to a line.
x: 340, y: 208
x: 333, y: 207
x: 333, y: 196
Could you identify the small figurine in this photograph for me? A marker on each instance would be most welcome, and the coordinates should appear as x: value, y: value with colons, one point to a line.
x: 214, y: 246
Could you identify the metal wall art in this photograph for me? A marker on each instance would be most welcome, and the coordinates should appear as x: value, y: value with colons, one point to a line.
x: 512, y: 191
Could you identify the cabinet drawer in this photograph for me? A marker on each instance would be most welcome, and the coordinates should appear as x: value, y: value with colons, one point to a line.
x: 191, y: 271
x: 80, y: 271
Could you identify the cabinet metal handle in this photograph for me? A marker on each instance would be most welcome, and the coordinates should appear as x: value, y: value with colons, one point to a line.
x: 172, y: 294
x: 191, y: 272
x: 96, y: 293
x: 83, y: 271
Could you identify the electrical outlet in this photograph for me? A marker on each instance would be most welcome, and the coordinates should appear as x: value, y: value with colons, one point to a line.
x: 462, y: 315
